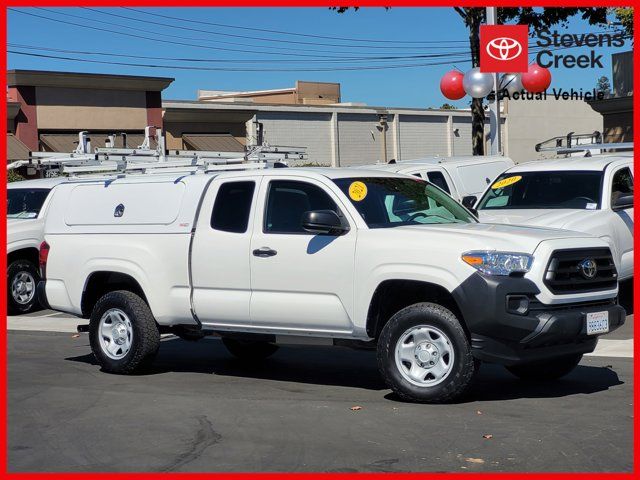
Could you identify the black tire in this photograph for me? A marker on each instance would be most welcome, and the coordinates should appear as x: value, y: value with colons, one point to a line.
x: 145, y: 340
x: 249, y: 350
x: 547, y: 370
x: 16, y: 269
x: 461, y: 372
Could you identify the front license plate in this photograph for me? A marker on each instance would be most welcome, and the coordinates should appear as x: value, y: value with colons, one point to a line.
x: 597, y: 322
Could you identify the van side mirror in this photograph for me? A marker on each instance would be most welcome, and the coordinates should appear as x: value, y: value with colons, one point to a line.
x: 622, y: 202
x: 468, y: 202
x: 323, y: 222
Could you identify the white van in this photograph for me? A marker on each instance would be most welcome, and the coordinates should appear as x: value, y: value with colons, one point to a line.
x: 462, y: 176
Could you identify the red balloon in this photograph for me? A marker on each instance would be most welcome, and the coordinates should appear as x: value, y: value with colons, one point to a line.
x: 451, y: 85
x: 537, y: 79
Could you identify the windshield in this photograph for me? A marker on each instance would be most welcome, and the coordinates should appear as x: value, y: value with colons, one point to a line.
x: 25, y: 202
x: 391, y: 201
x: 544, y: 190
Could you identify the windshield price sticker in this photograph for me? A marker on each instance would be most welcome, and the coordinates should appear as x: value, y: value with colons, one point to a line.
x: 505, y: 182
x: 357, y: 191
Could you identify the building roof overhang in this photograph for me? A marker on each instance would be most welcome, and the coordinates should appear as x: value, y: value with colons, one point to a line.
x: 40, y: 78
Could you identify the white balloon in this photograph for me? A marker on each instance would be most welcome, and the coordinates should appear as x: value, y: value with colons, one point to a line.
x: 476, y: 83
x: 512, y: 83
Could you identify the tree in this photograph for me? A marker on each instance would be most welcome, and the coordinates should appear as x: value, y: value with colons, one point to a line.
x: 536, y: 19
x: 603, y: 85
x: 624, y: 15
x: 447, y: 106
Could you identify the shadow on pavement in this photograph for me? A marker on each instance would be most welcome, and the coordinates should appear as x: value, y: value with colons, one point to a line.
x: 335, y: 366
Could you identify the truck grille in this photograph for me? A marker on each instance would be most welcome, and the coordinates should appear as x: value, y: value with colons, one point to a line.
x: 581, y: 270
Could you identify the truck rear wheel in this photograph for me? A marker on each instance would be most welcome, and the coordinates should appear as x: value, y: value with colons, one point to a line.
x: 424, y: 354
x: 22, y: 278
x: 123, y: 334
x: 547, y: 370
x: 249, y: 350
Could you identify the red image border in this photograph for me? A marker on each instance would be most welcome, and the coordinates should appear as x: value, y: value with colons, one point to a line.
x: 299, y: 3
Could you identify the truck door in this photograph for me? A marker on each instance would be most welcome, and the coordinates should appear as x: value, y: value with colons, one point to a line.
x: 621, y: 183
x: 220, y: 265
x: 300, y: 280
x: 440, y: 178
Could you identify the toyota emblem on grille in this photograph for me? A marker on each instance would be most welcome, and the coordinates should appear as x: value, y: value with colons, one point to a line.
x: 588, y: 268
x: 504, y: 48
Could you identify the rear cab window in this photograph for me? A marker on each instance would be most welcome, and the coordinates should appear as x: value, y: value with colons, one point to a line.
x: 25, y: 202
x: 232, y: 207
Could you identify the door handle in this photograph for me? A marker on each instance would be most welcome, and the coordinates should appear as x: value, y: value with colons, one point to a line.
x: 264, y: 252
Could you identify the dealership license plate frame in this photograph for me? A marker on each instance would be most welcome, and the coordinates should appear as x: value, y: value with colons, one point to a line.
x: 597, y: 322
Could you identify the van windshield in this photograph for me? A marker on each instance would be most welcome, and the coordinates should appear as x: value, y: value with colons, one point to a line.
x: 392, y: 201
x: 544, y: 190
x: 25, y: 202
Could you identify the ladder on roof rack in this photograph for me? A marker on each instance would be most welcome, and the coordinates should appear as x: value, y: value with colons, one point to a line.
x: 145, y: 159
x: 588, y: 143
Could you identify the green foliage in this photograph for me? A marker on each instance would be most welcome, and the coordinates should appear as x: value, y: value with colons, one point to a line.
x: 13, y: 176
x: 447, y: 106
x: 624, y: 15
x: 603, y: 85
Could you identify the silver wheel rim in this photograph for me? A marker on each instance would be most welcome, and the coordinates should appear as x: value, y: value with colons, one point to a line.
x: 116, y: 333
x: 23, y: 288
x: 424, y: 356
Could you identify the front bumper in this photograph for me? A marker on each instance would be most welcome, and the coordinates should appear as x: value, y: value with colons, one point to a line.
x: 544, y: 332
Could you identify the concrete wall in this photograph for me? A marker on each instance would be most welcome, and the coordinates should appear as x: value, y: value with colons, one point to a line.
x: 421, y: 135
x: 532, y: 121
x: 359, y: 139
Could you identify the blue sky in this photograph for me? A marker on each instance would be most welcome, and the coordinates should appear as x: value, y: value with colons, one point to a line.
x: 407, y: 87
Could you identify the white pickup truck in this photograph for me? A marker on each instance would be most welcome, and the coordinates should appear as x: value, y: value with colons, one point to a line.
x: 460, y: 176
x: 346, y: 256
x: 26, y: 209
x: 593, y: 195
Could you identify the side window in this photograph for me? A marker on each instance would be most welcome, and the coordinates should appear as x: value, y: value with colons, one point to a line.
x: 437, y: 178
x: 232, y: 207
x: 288, y: 200
x: 622, y: 184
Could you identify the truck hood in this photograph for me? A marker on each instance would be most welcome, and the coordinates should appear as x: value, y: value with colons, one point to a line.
x: 560, y: 218
x: 484, y: 236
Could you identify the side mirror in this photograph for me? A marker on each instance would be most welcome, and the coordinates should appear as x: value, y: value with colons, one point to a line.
x: 468, y: 202
x: 323, y: 222
x: 622, y: 202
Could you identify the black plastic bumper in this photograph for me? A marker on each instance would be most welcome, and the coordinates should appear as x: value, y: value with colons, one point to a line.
x: 41, y: 294
x: 543, y: 332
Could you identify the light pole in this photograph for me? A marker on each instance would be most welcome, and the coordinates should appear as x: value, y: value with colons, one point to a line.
x: 494, y: 106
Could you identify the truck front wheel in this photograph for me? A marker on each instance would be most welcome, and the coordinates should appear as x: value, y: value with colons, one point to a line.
x: 249, y: 350
x: 424, y: 354
x: 123, y: 334
x: 22, y: 278
x: 547, y: 370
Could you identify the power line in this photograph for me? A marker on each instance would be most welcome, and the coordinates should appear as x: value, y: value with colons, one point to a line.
x: 163, y: 40
x: 281, y: 32
x: 225, y: 60
x: 264, y: 39
x: 225, y: 69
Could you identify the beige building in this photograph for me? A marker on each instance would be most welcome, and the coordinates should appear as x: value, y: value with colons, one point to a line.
x: 46, y: 110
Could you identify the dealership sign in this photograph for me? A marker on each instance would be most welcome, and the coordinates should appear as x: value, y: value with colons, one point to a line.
x: 504, y: 48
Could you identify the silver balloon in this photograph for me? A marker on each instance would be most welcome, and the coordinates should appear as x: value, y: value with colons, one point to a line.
x: 476, y: 83
x: 512, y: 83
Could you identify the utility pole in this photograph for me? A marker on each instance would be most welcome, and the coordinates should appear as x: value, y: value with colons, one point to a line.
x: 494, y: 106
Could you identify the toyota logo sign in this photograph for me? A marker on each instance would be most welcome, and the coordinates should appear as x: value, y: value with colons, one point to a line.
x: 504, y: 48
x: 588, y: 268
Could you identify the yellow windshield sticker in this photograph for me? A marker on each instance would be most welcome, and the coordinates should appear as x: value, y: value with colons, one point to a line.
x: 505, y: 182
x: 357, y: 191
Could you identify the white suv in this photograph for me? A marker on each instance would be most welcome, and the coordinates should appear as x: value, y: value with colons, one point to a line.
x: 350, y: 256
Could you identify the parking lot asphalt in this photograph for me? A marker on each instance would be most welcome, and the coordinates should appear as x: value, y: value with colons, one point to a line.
x: 199, y: 409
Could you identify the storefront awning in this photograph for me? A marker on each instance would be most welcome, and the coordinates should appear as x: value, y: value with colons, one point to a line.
x: 16, y: 150
x: 216, y: 142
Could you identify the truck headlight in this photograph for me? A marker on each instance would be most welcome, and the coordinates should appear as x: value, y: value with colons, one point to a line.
x: 498, y: 263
